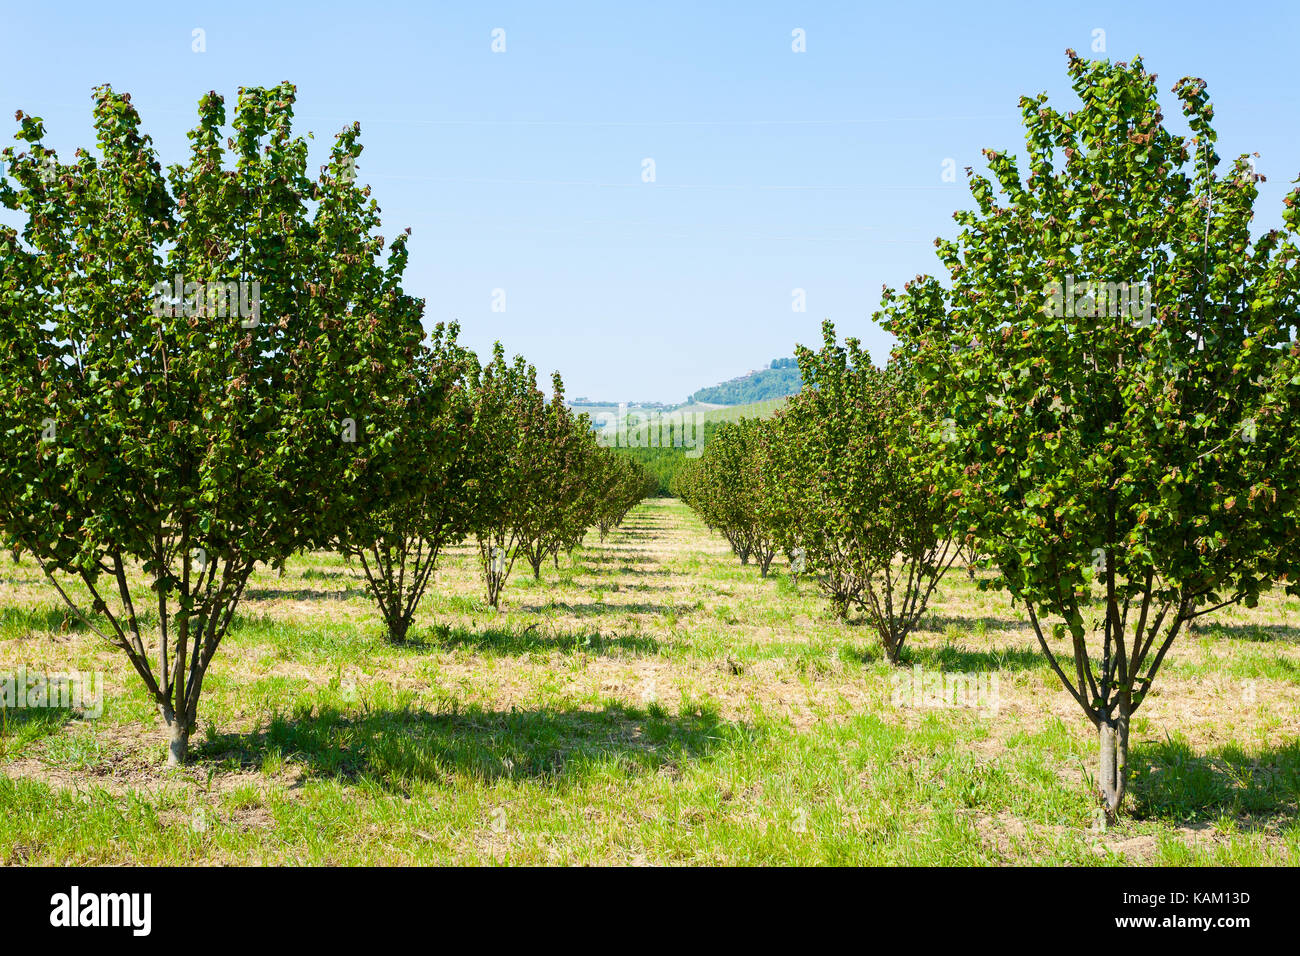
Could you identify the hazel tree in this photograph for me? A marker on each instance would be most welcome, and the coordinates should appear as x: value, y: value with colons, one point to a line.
x: 782, y: 488
x: 857, y: 489
x: 557, y: 464
x: 150, y: 426
x: 498, y: 490
x: 590, y: 485
x: 723, y: 487
x: 795, y: 506
x: 1118, y: 364
x: 419, y: 501
x: 708, y: 485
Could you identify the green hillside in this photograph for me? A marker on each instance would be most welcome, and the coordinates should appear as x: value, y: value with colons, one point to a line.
x: 779, y: 379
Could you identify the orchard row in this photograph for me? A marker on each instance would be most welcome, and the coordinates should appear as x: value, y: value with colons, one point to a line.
x: 191, y: 443
x: 1122, y: 476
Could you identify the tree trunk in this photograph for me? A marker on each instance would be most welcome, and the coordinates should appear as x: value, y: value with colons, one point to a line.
x: 178, y: 740
x: 1112, y: 767
x: 893, y: 648
x: 397, y: 630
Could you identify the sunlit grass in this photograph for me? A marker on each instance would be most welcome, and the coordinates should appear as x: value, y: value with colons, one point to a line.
x: 649, y: 701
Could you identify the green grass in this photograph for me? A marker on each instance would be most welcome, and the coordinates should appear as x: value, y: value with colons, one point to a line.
x: 649, y: 702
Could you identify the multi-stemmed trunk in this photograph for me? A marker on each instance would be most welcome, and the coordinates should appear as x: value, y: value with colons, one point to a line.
x: 895, y: 602
x: 189, y: 632
x: 739, y: 545
x: 398, y: 569
x: 537, y: 543
x: 497, y: 551
x: 1110, y: 690
x: 827, y: 560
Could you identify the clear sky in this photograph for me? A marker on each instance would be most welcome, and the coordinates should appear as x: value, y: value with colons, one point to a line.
x: 774, y: 170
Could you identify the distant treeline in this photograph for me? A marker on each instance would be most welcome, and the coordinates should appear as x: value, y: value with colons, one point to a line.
x: 781, y: 378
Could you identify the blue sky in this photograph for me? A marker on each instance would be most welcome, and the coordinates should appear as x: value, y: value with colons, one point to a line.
x: 774, y: 170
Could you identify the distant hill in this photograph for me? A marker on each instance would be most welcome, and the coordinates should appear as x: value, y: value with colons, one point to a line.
x: 778, y: 380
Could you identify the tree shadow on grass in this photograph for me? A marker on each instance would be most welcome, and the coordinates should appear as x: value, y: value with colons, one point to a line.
x: 20, y: 726
x: 953, y: 659
x: 400, y: 748
x: 597, y: 568
x: 1173, y: 783
x: 939, y: 623
x: 608, y: 555
x: 303, y: 594
x: 611, y: 607
x: 634, y: 587
x: 1263, y: 633
x: 21, y: 621
x: 503, y: 642
x: 950, y: 658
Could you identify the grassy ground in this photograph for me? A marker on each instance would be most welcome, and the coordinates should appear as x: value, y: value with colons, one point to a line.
x: 650, y: 702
